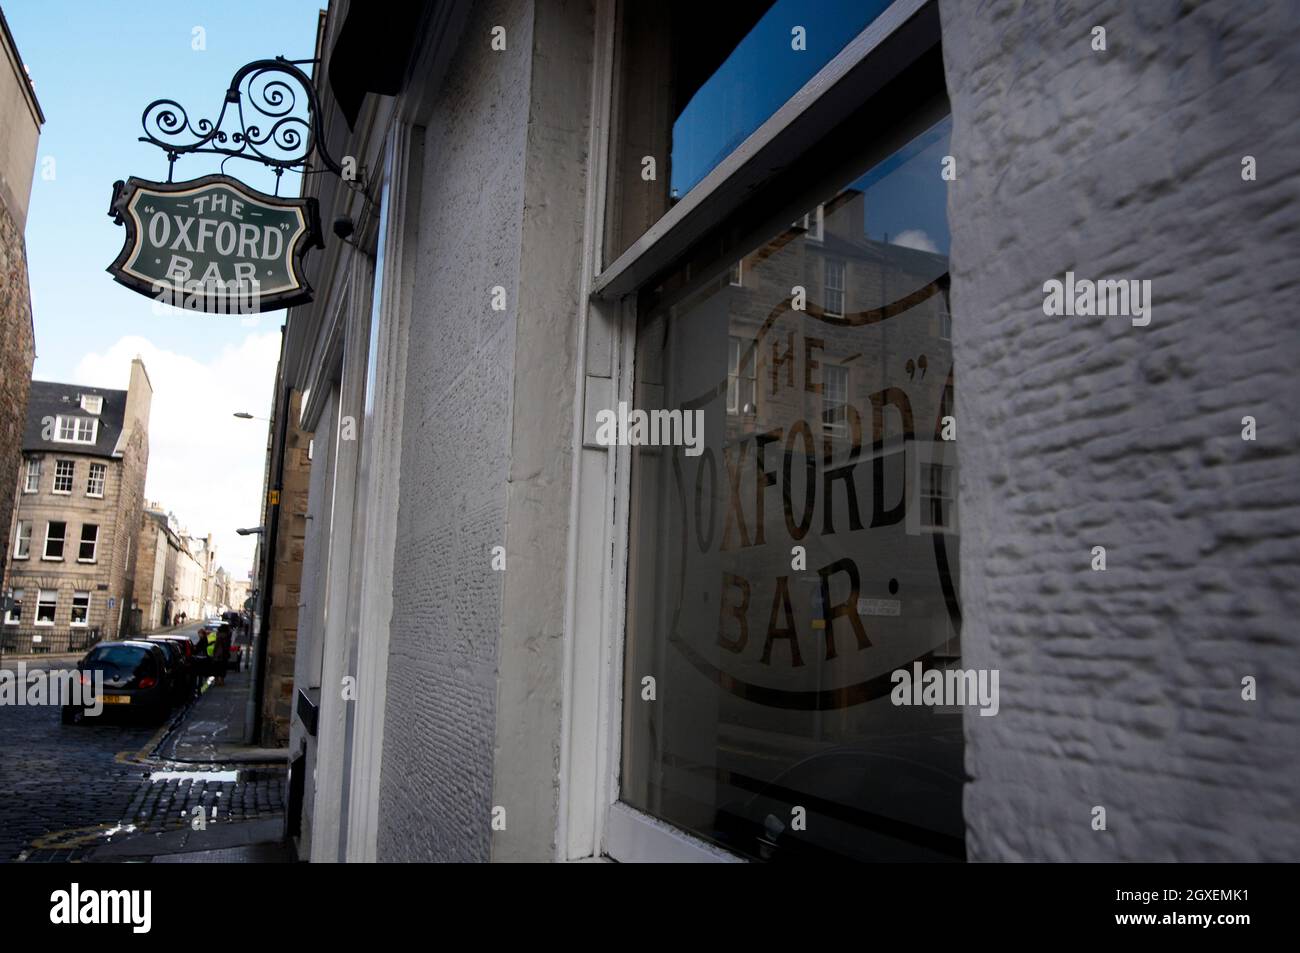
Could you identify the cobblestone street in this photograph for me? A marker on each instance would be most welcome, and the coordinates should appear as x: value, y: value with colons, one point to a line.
x: 70, y: 790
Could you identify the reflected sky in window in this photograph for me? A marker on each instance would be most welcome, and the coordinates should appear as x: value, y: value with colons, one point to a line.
x: 758, y: 77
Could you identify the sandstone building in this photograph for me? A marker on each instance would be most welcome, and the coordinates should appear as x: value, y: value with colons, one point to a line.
x: 77, y: 517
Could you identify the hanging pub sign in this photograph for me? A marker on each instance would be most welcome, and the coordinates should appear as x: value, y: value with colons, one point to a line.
x: 214, y: 244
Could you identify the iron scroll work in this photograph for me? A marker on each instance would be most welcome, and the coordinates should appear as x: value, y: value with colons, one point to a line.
x: 286, y: 143
x: 215, y: 244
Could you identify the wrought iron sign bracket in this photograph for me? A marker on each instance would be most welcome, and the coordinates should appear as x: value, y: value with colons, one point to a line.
x: 272, y: 133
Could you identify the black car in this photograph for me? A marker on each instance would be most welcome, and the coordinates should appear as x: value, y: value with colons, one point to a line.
x: 182, y: 669
x: 135, y: 680
x: 195, y: 656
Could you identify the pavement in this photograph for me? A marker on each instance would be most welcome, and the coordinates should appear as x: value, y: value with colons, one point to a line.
x: 188, y: 791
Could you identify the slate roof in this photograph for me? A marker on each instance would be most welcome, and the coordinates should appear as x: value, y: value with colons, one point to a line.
x: 49, y: 399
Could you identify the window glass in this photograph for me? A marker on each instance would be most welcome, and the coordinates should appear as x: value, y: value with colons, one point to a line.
x: 80, y: 608
x: 63, y: 473
x: 23, y: 540
x: 95, y: 484
x: 15, y: 613
x: 780, y: 573
x: 698, y: 79
x: 33, y: 476
x: 54, y: 534
x: 46, y: 604
x: 89, y: 540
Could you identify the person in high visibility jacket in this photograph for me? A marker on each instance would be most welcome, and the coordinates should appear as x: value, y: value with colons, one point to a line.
x: 216, y: 663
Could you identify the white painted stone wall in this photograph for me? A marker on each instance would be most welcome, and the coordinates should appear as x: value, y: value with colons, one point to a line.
x: 436, y: 784
x: 1122, y: 689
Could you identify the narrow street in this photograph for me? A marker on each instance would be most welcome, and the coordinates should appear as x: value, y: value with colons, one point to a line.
x: 114, y: 788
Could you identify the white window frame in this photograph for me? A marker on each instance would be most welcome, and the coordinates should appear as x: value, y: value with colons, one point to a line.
x: 593, y: 822
x: 40, y: 601
x: 76, y: 428
x: 63, y: 542
x: 736, y: 277
x: 19, y: 539
x: 85, y: 619
x: 92, y: 404
x: 10, y: 617
x: 102, y: 470
x: 832, y: 266
x: 94, y: 544
x: 814, y: 224
x: 33, y: 483
x: 840, y: 374
x: 925, y: 454
x: 71, y: 477
x: 945, y: 326
x: 737, y: 348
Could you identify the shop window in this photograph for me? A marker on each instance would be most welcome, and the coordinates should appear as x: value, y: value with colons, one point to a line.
x: 776, y: 580
x: 702, y: 79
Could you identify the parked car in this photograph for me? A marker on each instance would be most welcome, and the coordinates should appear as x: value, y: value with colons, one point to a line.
x: 135, y: 680
x: 186, y: 680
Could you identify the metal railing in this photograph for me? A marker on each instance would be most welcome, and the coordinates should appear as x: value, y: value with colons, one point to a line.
x: 26, y: 640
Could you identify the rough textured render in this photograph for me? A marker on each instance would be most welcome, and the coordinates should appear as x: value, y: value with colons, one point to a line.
x: 439, y: 721
x: 1123, y: 689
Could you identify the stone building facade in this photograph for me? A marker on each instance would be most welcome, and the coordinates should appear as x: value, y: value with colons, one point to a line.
x: 830, y: 230
x: 281, y: 625
x: 169, y: 579
x: 76, y: 523
x: 21, y: 119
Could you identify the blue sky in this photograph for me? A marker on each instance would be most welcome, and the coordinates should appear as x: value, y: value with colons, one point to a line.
x: 95, y: 66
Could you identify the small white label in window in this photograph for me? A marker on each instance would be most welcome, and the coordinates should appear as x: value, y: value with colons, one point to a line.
x: 880, y: 607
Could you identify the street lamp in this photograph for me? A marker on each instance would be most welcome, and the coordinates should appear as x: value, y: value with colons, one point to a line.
x: 245, y: 415
x: 251, y: 531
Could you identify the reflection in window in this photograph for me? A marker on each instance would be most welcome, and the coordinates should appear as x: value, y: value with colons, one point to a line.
x: 777, y: 579
x: 698, y: 79
x: 742, y: 384
x: 833, y: 301
x: 938, y: 497
x: 835, y: 400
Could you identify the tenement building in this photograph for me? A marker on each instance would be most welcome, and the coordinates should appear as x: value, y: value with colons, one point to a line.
x: 700, y: 470
x: 76, y: 523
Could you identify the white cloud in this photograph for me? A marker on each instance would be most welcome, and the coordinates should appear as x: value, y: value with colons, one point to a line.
x: 205, y: 465
x: 916, y: 238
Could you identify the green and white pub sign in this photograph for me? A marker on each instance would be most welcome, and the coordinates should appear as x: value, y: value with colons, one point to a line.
x: 214, y: 244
